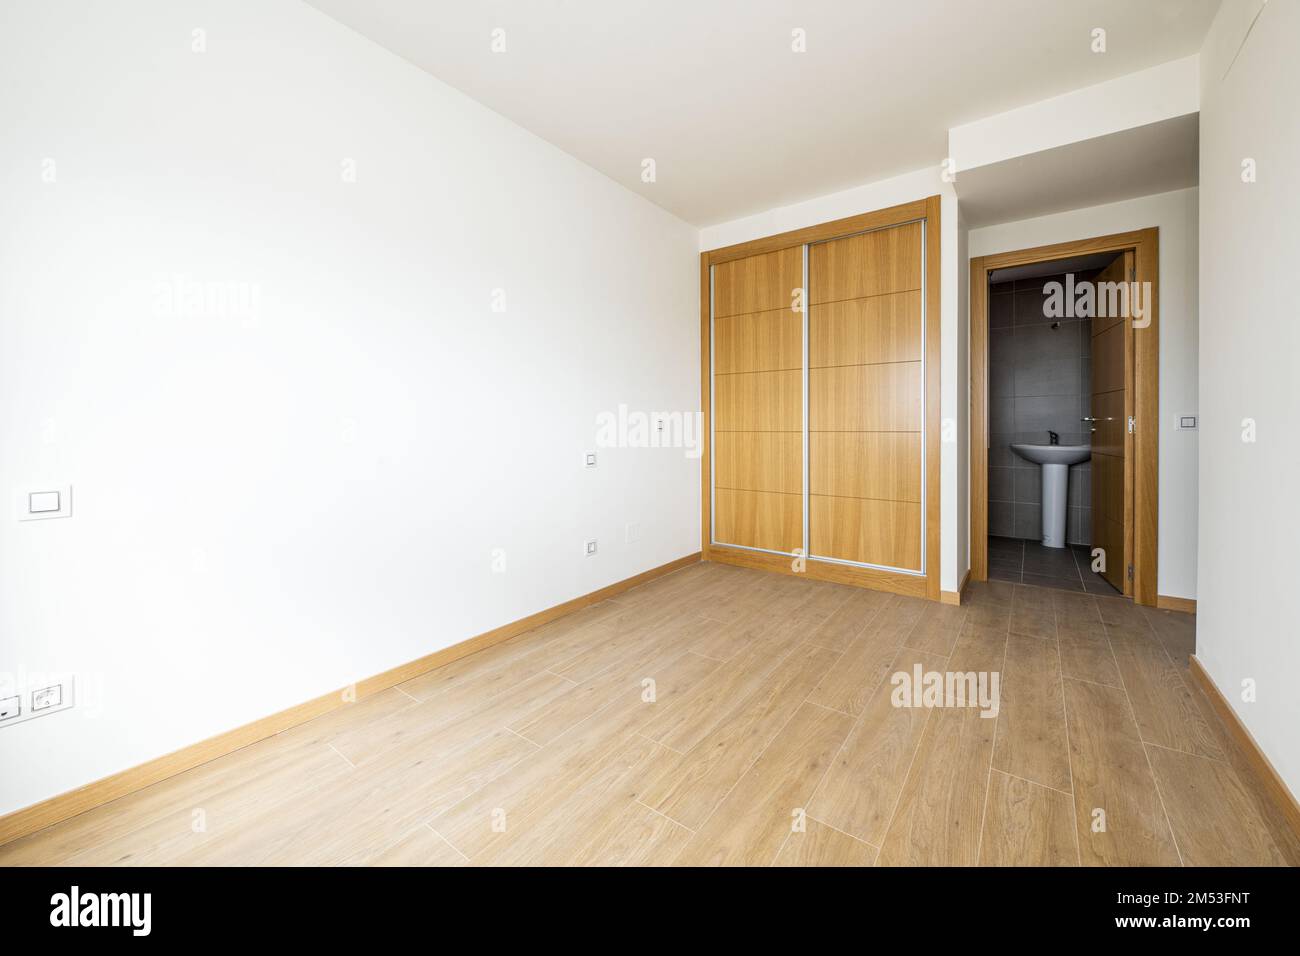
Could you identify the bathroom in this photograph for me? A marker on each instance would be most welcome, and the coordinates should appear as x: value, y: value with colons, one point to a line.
x: 1041, y: 385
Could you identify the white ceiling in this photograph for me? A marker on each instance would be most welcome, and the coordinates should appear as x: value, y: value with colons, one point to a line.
x: 1140, y: 161
x: 735, y: 121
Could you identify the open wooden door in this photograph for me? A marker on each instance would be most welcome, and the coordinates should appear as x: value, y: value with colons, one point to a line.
x: 1111, y: 410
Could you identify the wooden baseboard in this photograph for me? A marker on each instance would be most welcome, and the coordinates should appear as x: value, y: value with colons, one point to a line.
x: 870, y: 578
x: 955, y: 597
x: 1268, y: 777
x: 1167, y: 602
x: 40, y: 815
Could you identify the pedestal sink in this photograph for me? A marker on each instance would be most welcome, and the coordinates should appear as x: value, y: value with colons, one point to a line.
x: 1055, y: 462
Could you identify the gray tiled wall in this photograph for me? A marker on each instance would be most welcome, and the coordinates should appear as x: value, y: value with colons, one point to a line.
x: 1039, y: 379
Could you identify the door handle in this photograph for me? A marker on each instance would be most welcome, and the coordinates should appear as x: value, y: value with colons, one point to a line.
x: 1089, y: 418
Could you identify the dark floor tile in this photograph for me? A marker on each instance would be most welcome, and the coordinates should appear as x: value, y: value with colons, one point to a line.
x: 1049, y: 555
x: 1054, y: 567
x: 1057, y: 573
x: 1038, y: 548
x: 1060, y: 584
x: 1003, y: 574
x: 1058, y: 580
x: 1006, y: 545
x: 1096, y: 584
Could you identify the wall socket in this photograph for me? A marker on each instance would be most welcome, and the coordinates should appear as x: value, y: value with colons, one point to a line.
x: 43, y: 695
x: 47, y: 698
x: 589, y: 548
x: 632, y: 532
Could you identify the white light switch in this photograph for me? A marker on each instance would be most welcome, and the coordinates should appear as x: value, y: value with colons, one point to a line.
x: 10, y: 707
x: 41, y: 501
x: 590, y: 459
x: 50, y: 501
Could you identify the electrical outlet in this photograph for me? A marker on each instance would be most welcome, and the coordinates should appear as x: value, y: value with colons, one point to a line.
x: 632, y: 533
x: 590, y: 547
x: 47, y: 698
x: 42, y: 694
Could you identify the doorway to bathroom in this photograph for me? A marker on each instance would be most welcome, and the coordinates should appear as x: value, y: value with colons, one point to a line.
x: 1064, y: 345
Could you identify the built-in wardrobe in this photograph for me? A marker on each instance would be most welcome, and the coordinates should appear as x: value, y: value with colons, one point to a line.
x: 821, y: 368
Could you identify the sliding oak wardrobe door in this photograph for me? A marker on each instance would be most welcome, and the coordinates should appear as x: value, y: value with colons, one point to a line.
x: 758, y: 401
x: 865, y: 389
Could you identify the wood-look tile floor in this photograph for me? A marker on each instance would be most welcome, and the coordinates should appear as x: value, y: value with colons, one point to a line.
x: 727, y: 716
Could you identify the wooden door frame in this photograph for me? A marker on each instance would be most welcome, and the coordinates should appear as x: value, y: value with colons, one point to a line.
x: 926, y: 585
x: 1145, y: 397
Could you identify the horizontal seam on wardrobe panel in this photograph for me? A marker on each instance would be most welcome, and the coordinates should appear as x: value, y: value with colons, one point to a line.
x: 855, y: 298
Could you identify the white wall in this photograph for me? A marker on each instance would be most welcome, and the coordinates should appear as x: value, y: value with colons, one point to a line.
x: 1175, y: 215
x: 920, y: 184
x: 1248, y: 626
x: 269, y: 506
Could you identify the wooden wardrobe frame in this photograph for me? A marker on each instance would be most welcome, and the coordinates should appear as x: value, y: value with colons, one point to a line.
x: 927, y: 585
x: 1144, y: 499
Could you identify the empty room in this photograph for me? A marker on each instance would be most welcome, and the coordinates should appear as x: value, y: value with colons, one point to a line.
x: 577, y: 434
